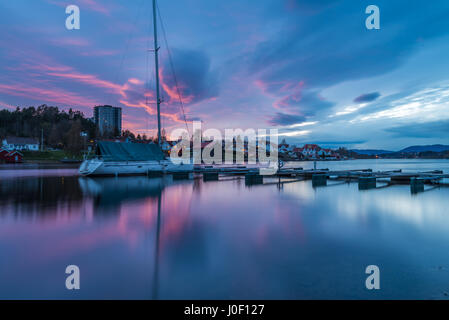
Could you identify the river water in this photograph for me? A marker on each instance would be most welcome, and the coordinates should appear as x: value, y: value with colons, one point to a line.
x: 159, y: 238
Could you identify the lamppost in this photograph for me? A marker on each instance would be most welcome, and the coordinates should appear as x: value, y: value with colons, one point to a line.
x: 84, y: 135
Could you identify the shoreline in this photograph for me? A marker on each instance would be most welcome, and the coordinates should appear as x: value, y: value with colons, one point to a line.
x: 77, y: 164
x: 34, y: 164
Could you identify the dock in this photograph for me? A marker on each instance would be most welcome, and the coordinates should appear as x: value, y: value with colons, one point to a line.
x: 367, y: 179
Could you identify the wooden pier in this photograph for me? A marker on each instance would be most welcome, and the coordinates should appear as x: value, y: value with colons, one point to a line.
x: 366, y: 178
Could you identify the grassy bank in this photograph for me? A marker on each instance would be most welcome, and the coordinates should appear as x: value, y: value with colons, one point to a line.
x: 47, y: 156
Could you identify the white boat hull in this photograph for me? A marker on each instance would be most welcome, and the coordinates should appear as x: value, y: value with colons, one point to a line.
x: 98, y: 167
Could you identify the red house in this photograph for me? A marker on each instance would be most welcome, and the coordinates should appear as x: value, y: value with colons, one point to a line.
x: 10, y: 156
x: 3, y: 154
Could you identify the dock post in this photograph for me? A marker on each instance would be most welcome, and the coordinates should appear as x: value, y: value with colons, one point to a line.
x: 253, y: 178
x: 366, y: 183
x: 319, y: 180
x: 401, y: 179
x: 181, y: 175
x: 210, y: 176
x: 416, y: 185
x: 154, y: 174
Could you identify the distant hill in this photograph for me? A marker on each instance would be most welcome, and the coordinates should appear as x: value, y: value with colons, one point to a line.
x: 436, y: 151
x: 371, y: 152
x: 432, y: 148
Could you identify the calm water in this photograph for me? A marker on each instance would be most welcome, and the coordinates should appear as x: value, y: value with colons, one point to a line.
x: 220, y: 240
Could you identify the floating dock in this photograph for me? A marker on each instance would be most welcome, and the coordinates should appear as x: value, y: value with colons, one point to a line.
x: 366, y: 178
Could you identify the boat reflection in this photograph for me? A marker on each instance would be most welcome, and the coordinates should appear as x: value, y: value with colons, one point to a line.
x: 157, y: 209
x: 156, y: 251
x: 110, y: 193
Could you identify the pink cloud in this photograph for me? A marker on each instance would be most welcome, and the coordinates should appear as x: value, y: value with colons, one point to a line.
x: 92, y: 5
x: 48, y: 94
x: 95, y: 6
x: 172, y: 92
x: 151, y: 110
x: 72, y: 42
x: 290, y: 91
x: 134, y: 81
x: 41, y: 67
x: 88, y: 79
x: 44, y: 78
x: 6, y: 105
x: 273, y: 88
x: 99, y: 53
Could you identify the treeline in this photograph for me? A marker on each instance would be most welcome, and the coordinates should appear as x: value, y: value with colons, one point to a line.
x: 417, y: 155
x: 343, y: 152
x: 60, y: 129
x: 394, y: 155
x: 143, y: 138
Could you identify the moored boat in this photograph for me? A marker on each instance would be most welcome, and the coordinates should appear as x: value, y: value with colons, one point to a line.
x: 119, y: 158
x: 116, y: 158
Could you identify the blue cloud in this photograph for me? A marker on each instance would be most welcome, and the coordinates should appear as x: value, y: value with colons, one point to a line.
x: 335, y: 46
x: 311, y: 7
x: 343, y: 143
x: 305, y: 103
x: 421, y: 130
x: 284, y: 119
x: 193, y: 73
x: 367, y: 97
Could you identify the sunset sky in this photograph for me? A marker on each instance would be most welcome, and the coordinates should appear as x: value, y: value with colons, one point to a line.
x: 309, y: 68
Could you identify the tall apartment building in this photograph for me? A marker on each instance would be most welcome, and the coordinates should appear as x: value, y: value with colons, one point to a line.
x: 108, y: 119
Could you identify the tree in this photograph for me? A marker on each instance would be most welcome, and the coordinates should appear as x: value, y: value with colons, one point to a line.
x: 128, y: 134
x: 74, y: 140
x: 56, y: 137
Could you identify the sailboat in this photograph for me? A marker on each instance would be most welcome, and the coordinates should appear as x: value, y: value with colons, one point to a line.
x: 118, y: 158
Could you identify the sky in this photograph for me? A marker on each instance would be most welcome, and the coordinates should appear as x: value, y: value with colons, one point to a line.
x: 309, y: 68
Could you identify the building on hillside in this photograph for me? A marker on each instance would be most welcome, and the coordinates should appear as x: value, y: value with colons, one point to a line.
x: 310, y: 151
x: 119, y: 139
x: 313, y: 151
x: 10, y: 156
x: 20, y: 144
x: 325, y: 152
x: 284, y: 147
x: 3, y: 153
x: 298, y: 153
x: 108, y: 119
x: 167, y: 145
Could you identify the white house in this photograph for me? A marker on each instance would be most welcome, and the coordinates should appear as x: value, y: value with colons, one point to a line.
x: 19, y: 143
x: 166, y: 146
x: 310, y: 150
x: 284, y: 147
x: 314, y: 151
x: 325, y: 152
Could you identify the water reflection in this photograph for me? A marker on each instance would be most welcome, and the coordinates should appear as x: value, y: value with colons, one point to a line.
x: 156, y: 254
x: 109, y: 194
x: 155, y: 238
x: 33, y: 197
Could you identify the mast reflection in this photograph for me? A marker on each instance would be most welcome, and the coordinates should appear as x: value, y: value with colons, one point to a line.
x: 156, y: 258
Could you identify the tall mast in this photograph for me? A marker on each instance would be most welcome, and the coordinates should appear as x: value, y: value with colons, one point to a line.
x: 156, y: 60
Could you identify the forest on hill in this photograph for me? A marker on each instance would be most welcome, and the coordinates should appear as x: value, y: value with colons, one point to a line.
x: 60, y: 129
